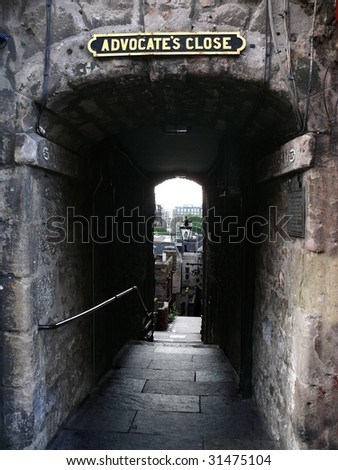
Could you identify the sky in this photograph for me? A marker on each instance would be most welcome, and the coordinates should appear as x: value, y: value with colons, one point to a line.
x: 178, y: 191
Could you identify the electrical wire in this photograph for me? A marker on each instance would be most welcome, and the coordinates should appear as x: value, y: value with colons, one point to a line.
x: 309, y: 87
x: 286, y: 18
x: 285, y: 77
x: 46, y: 68
x: 267, y: 64
x: 3, y: 40
x: 93, y: 283
x: 334, y: 118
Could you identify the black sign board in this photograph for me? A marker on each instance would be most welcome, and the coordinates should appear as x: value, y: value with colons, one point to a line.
x: 143, y: 44
x: 296, y: 209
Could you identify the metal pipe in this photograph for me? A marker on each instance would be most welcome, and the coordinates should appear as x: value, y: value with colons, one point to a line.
x: 54, y: 326
x: 93, y: 285
x: 141, y: 299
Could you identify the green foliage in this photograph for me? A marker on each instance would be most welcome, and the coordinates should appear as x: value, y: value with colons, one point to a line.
x: 173, y: 313
x: 161, y: 230
x: 197, y: 224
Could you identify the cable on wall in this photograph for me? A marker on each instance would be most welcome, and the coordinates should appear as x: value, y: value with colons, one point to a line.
x: 284, y: 73
x: 259, y: 104
x: 46, y: 68
x: 309, y: 87
x: 286, y: 18
x: 267, y: 64
x: 3, y: 40
x: 331, y: 119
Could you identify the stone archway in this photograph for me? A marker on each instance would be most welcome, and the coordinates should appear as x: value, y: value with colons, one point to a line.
x: 102, y: 123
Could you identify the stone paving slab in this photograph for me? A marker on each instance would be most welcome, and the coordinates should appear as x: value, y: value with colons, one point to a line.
x: 100, y: 402
x: 136, y: 358
x: 226, y: 405
x: 87, y: 440
x: 215, y: 376
x: 210, y: 352
x: 162, y: 364
x: 124, y: 384
x: 155, y: 374
x: 180, y: 346
x: 166, y: 396
x: 182, y: 330
x: 134, y: 362
x: 193, y: 425
x: 177, y: 338
x: 107, y: 420
x: 187, y: 365
x: 206, y: 361
x: 172, y: 357
x: 238, y: 444
x: 190, y: 388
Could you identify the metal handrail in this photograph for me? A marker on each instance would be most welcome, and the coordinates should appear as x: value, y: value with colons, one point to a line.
x: 148, y: 317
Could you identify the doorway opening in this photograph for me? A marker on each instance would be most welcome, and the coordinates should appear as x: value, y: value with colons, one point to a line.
x: 178, y: 250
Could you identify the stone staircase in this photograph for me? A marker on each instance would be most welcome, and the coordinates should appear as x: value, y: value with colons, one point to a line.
x: 174, y: 393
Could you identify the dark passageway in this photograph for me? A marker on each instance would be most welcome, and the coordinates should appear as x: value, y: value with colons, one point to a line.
x: 84, y: 141
x: 150, y: 131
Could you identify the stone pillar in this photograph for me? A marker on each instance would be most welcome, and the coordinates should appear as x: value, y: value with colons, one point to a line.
x: 295, y: 327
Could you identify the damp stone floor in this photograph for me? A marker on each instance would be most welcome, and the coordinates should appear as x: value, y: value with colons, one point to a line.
x: 172, y: 394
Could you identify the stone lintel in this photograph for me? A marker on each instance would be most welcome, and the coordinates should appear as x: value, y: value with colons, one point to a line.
x: 295, y: 155
x: 33, y: 150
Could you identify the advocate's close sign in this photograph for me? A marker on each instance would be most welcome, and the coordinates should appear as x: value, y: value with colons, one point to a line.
x: 138, y: 44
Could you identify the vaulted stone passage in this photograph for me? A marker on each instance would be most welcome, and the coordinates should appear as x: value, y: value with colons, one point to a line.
x: 80, y: 160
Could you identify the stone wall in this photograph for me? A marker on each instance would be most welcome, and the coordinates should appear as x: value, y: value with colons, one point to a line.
x: 51, y: 270
x: 295, y: 341
x: 163, y: 280
x: 295, y: 321
x: 225, y: 255
x: 41, y: 282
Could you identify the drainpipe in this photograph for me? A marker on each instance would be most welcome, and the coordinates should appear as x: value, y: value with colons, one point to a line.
x: 93, y: 284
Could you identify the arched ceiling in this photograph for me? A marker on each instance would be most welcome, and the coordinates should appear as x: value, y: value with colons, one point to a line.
x: 169, y: 125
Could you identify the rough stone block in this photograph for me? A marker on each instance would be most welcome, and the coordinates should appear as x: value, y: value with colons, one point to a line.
x: 296, y: 155
x: 16, y: 297
x: 19, y: 360
x: 239, y: 444
x: 310, y: 418
x: 6, y: 147
x: 207, y: 3
x: 16, y: 209
x: 168, y: 16
x: 37, y: 151
x: 19, y: 421
x: 98, y: 13
x: 233, y: 14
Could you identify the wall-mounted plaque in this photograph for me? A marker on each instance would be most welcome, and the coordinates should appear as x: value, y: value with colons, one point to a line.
x: 143, y: 44
x: 296, y: 209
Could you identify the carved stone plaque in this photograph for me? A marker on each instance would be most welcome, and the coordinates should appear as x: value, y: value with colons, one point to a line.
x: 296, y: 155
